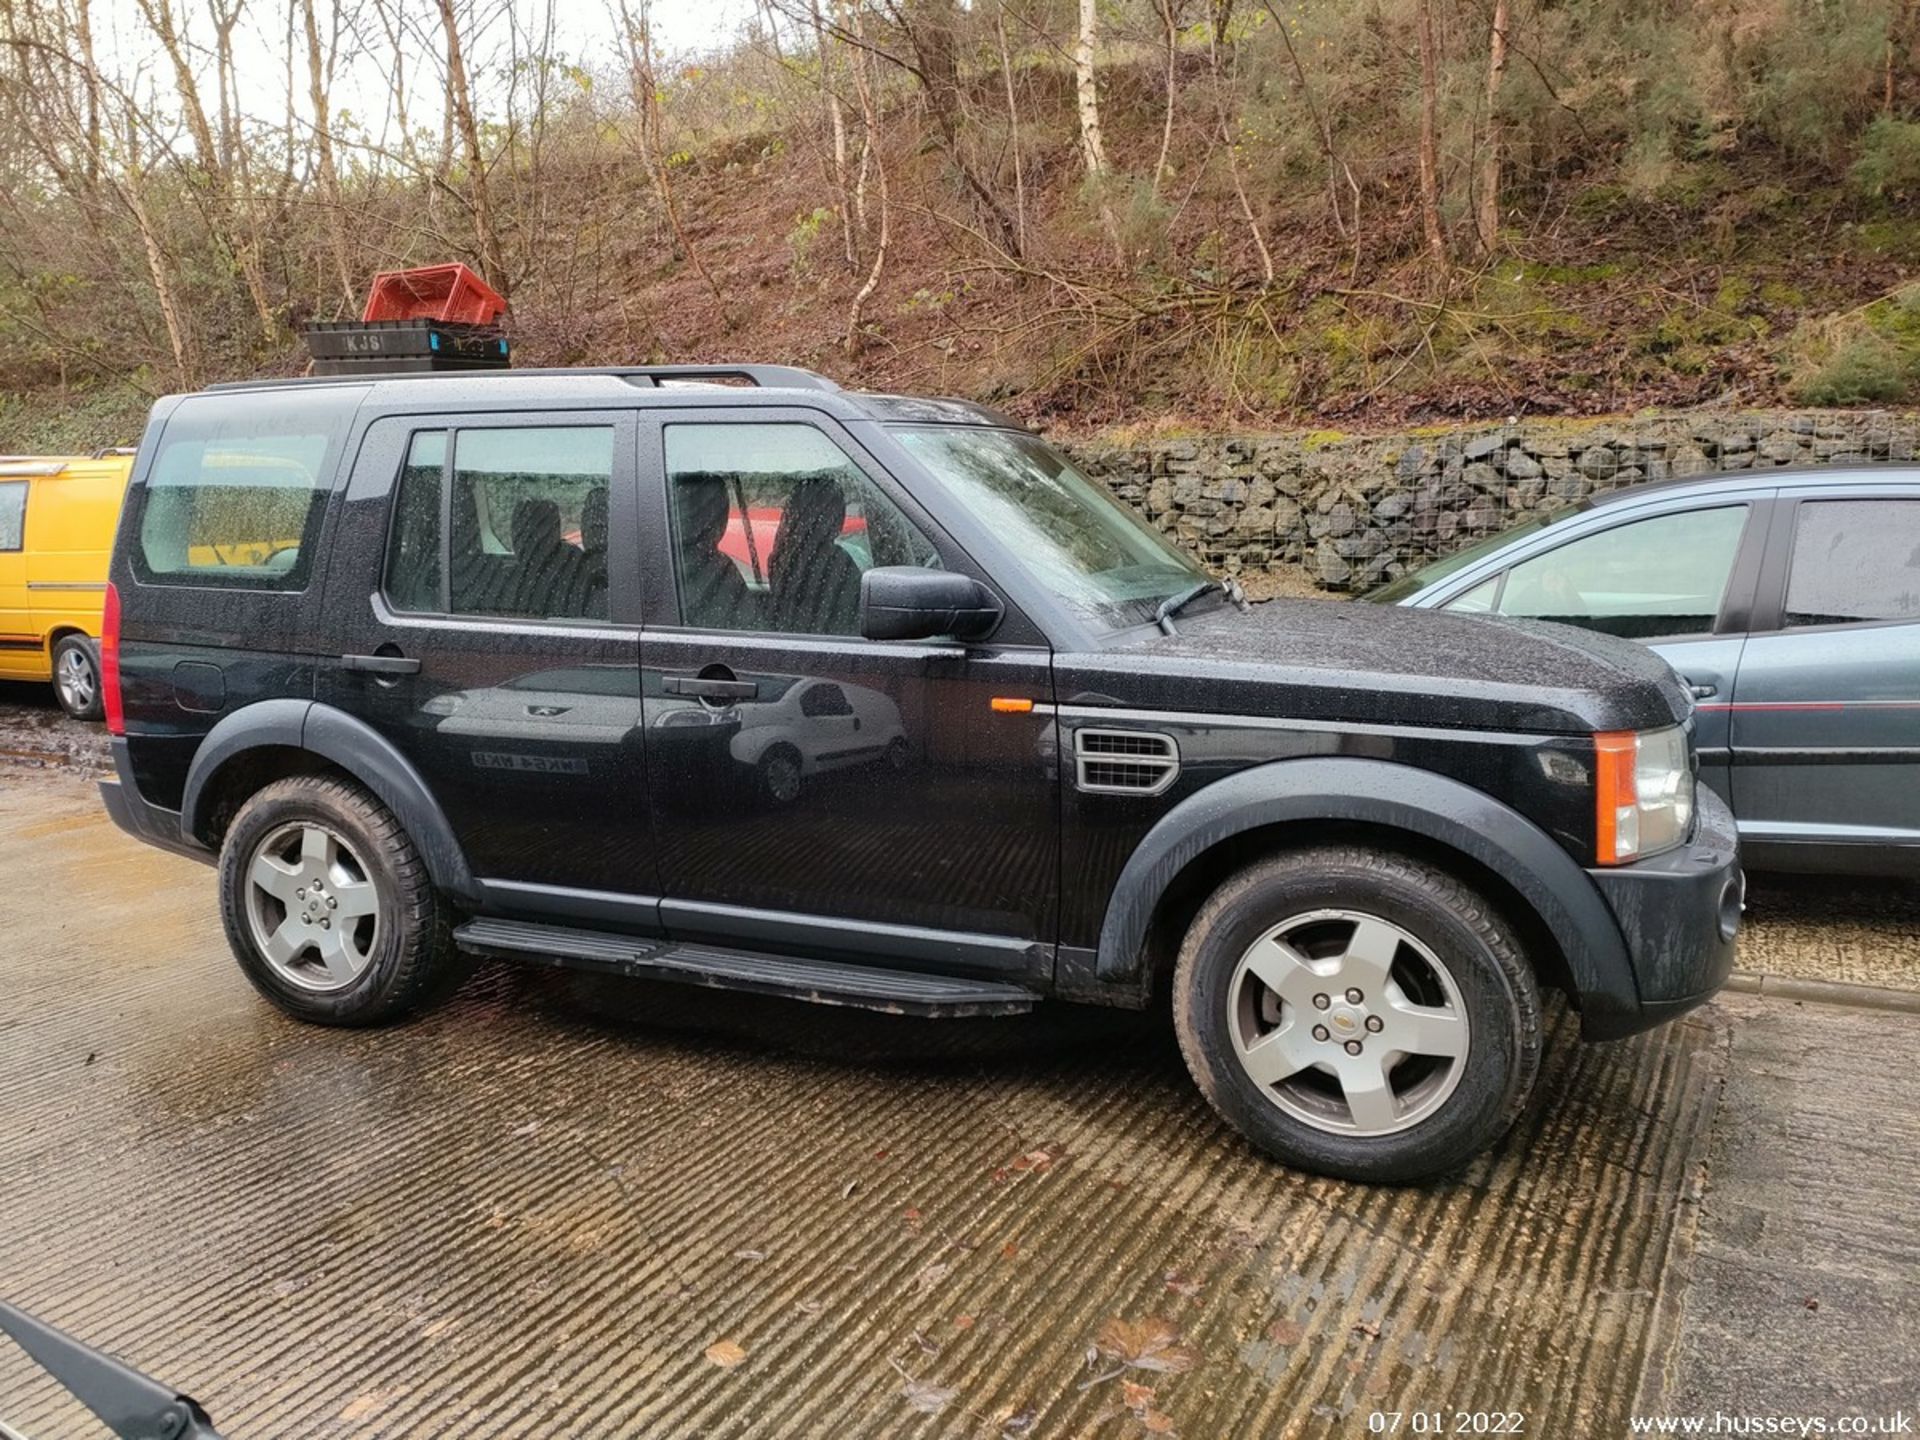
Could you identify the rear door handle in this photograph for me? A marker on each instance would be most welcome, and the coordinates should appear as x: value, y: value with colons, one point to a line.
x: 381, y: 664
x: 706, y: 689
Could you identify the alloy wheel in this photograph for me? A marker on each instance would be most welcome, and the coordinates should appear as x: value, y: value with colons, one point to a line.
x: 1347, y: 1022
x: 74, y: 678
x: 312, y: 906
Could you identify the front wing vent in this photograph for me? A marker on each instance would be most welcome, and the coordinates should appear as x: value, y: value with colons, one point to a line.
x: 1124, y: 762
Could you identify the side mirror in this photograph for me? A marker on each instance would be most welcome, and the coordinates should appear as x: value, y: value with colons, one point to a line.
x: 910, y: 602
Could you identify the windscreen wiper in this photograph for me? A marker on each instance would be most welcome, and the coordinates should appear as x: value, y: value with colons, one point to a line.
x: 131, y: 1405
x: 1175, y: 603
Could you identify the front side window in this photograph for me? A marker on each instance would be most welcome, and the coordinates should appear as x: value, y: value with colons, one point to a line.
x: 1853, y: 561
x: 773, y: 526
x: 515, y: 526
x: 13, y: 515
x: 1662, y: 576
x: 236, y: 493
x: 1094, y: 554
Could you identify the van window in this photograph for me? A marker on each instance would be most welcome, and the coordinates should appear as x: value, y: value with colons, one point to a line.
x: 13, y: 515
x: 528, y: 510
x: 236, y: 494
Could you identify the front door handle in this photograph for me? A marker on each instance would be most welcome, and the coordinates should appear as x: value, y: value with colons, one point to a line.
x: 705, y: 688
x: 1703, y: 691
x: 381, y: 664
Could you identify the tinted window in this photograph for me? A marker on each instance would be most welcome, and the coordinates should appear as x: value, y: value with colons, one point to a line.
x: 237, y: 491
x: 528, y: 513
x: 414, y: 550
x: 773, y: 526
x: 1855, y: 560
x: 1661, y: 576
x: 13, y: 515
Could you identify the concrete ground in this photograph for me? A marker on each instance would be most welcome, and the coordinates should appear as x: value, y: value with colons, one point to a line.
x: 561, y: 1207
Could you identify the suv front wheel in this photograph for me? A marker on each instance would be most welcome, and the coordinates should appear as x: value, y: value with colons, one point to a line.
x: 329, y: 907
x: 1358, y: 1013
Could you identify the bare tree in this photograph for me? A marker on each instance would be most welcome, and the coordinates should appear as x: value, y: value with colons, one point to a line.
x: 837, y: 124
x: 460, y: 115
x: 1170, y: 26
x: 870, y: 122
x: 1087, y: 92
x: 1487, y: 210
x: 1430, y: 139
x: 335, y: 211
x: 1013, y: 126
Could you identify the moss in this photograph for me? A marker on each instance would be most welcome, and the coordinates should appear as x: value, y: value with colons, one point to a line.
x: 1867, y: 370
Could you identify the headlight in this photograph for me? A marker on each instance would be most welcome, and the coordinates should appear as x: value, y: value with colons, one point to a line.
x: 1643, y: 793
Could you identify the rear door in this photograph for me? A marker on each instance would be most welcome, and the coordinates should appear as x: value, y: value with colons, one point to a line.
x: 1826, y: 711
x: 486, y: 614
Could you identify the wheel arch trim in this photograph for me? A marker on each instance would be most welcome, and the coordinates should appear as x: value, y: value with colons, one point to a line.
x: 345, y: 742
x: 1419, y: 803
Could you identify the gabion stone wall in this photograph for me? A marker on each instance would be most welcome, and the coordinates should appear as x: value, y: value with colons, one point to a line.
x: 1358, y: 510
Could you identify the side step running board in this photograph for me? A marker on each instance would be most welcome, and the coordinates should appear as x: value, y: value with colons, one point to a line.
x: 825, y: 982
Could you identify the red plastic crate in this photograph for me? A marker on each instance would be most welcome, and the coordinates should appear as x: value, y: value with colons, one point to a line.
x: 452, y: 294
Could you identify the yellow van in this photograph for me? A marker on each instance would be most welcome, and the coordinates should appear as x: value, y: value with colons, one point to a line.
x: 57, y: 518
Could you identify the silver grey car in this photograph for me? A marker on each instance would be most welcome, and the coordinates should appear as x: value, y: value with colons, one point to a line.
x: 1790, y: 602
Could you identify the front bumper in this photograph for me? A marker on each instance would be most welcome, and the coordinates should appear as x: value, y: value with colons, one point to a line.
x: 1679, y: 914
x: 151, y: 823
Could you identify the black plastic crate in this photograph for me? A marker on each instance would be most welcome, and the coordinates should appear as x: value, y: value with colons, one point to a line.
x: 381, y: 342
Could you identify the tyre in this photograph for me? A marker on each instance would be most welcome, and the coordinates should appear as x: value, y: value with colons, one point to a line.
x: 1358, y: 1014
x: 780, y: 775
x: 329, y: 907
x: 76, y: 676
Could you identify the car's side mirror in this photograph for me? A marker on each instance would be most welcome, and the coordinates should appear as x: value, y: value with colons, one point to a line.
x: 911, y: 602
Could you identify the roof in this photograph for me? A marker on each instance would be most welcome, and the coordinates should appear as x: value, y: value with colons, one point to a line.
x: 657, y: 384
x: 1766, y: 478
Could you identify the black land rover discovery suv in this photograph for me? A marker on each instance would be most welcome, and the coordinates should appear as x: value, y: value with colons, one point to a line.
x: 738, y: 678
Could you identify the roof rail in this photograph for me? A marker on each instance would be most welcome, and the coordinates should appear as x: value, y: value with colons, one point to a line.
x: 768, y: 377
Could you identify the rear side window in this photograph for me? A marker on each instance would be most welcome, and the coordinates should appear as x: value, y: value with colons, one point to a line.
x: 236, y: 493
x: 13, y: 515
x: 1854, y: 561
x: 507, y: 522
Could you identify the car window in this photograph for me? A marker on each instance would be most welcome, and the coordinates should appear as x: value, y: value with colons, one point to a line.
x: 235, y: 495
x: 13, y: 515
x: 821, y: 701
x: 1478, y: 600
x: 414, y: 545
x: 773, y: 525
x: 1854, y: 560
x: 527, y: 511
x: 1661, y: 576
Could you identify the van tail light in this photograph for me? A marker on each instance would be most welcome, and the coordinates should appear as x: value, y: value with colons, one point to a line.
x: 110, y: 702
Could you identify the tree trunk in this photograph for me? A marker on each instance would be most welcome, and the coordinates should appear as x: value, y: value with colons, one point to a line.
x: 1087, y: 92
x: 1172, y: 30
x: 1013, y: 126
x: 460, y: 114
x: 1488, y: 209
x: 323, y: 150
x: 1430, y: 140
x: 837, y: 123
x: 870, y: 121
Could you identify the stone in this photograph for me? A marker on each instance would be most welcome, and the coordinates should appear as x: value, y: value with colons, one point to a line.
x: 1341, y: 519
x: 1483, y: 446
x: 1737, y: 443
x: 1598, y: 462
x: 1392, y: 507
x: 1363, y: 546
x: 1331, y: 566
x: 1521, y: 465
x: 1412, y: 463
x: 1481, y: 477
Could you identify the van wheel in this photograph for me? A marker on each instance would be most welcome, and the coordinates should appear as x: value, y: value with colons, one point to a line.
x: 1358, y: 1013
x: 76, y: 676
x: 329, y: 908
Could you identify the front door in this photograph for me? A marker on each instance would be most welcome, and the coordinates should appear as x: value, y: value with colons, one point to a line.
x: 21, y: 651
x: 1826, y: 713
x: 493, y: 636
x: 813, y: 789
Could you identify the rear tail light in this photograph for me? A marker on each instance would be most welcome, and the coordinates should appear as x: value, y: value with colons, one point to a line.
x: 110, y: 701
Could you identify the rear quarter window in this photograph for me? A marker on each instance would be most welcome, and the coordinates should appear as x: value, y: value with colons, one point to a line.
x: 238, y: 489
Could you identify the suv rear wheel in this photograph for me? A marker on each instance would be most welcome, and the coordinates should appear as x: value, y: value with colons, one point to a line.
x: 1358, y: 1013
x: 329, y: 908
